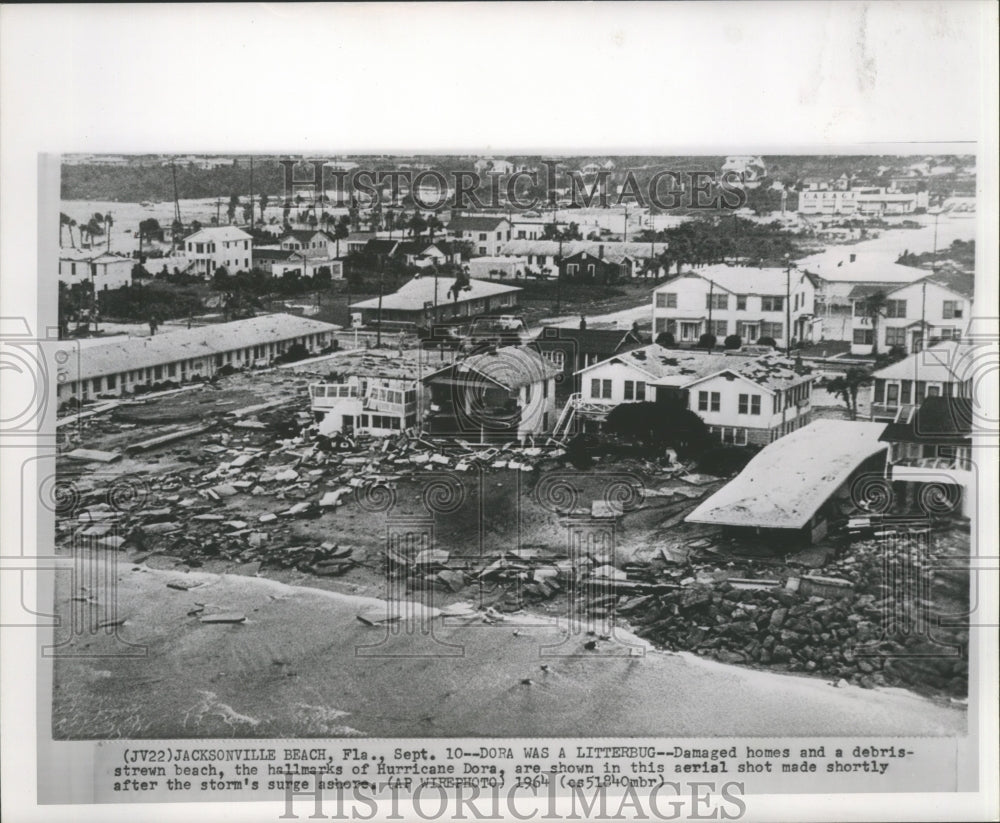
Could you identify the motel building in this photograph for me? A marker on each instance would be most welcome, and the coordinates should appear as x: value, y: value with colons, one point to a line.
x: 125, y: 364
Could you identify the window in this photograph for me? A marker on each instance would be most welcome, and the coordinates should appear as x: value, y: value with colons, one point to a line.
x: 741, y: 302
x: 895, y: 336
x: 720, y: 328
x: 892, y: 394
x: 906, y: 390
x: 571, y: 268
x: 482, y: 236
x: 716, y: 301
x: 755, y: 404
x: 600, y: 389
x: 744, y: 404
x: 703, y: 401
x: 895, y: 308
x: 111, y: 381
x: 557, y: 358
x: 951, y: 310
x: 482, y: 250
x: 666, y: 300
x: 863, y: 337
x: 775, y: 330
x: 499, y: 235
x: 860, y: 308
x: 629, y: 390
x: 772, y: 303
x: 934, y: 390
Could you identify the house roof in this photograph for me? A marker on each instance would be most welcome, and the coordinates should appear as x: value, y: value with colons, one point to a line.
x: 219, y: 234
x: 682, y: 367
x: 865, y: 290
x: 615, y: 251
x: 788, y: 481
x: 266, y: 253
x: 380, y: 246
x: 943, y: 421
x: 835, y: 264
x: 130, y: 353
x: 93, y: 256
x: 949, y: 361
x: 961, y: 283
x: 604, y: 342
x: 510, y: 367
x: 742, y: 279
x: 416, y: 293
x: 475, y: 223
x: 304, y: 235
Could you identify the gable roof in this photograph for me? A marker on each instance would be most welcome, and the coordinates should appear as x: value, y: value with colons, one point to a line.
x: 416, y: 293
x: 475, y: 223
x: 788, y: 481
x: 614, y: 250
x: 960, y: 283
x: 379, y: 246
x: 949, y: 361
x: 744, y: 279
x: 304, y: 235
x: 835, y: 264
x: 682, y: 367
x: 604, y: 342
x: 219, y: 234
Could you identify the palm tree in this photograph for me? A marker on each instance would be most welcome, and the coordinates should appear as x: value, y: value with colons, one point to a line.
x: 341, y: 231
x: 63, y: 222
x: 875, y: 306
x: 434, y: 225
x: 70, y: 225
x: 263, y: 205
x: 108, y: 223
x: 417, y: 224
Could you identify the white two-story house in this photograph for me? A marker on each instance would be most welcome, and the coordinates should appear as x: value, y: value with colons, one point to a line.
x: 933, y: 308
x: 743, y: 399
x: 725, y: 300
x: 208, y: 249
x: 485, y: 234
x: 942, y: 370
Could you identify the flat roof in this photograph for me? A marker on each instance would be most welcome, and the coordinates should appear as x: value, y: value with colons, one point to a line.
x: 948, y: 361
x: 420, y: 291
x: 788, y: 481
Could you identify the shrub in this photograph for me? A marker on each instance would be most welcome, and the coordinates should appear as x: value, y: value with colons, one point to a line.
x: 723, y: 460
x: 734, y: 341
x: 293, y: 354
x: 665, y: 339
x: 706, y: 341
x: 767, y: 341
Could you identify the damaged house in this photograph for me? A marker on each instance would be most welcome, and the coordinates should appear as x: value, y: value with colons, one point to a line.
x: 500, y: 395
x: 742, y: 398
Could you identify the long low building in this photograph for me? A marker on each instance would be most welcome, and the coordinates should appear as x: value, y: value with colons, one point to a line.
x: 787, y: 492
x: 124, y: 364
x: 431, y: 299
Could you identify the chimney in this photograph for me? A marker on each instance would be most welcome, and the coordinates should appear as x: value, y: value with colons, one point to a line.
x: 600, y: 251
x: 854, y: 257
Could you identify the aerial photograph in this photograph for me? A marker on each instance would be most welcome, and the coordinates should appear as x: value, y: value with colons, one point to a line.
x: 514, y: 445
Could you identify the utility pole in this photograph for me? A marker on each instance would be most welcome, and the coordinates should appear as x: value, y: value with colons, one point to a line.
x: 218, y: 205
x: 559, y: 276
x: 378, y: 335
x: 711, y: 304
x: 788, y: 305
x: 251, y: 193
x: 625, y: 234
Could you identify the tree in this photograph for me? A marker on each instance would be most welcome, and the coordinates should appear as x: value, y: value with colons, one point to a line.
x: 659, y: 425
x: 108, y: 223
x: 434, y: 225
x: 234, y: 202
x: 874, y: 309
x: 264, y: 200
x: 767, y: 341
x: 846, y: 388
x: 707, y: 341
x: 341, y: 231
x: 417, y: 224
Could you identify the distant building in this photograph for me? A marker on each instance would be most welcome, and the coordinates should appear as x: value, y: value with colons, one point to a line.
x: 934, y: 308
x: 216, y: 246
x: 543, y: 256
x: 427, y: 300
x: 102, y: 269
x: 501, y: 395
x: 485, y: 234
x: 310, y: 243
x: 122, y: 365
x: 793, y: 488
x: 277, y: 262
x: 868, y: 201
x: 944, y: 370
x: 749, y: 302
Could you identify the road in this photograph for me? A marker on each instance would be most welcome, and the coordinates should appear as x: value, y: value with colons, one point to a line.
x: 296, y: 668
